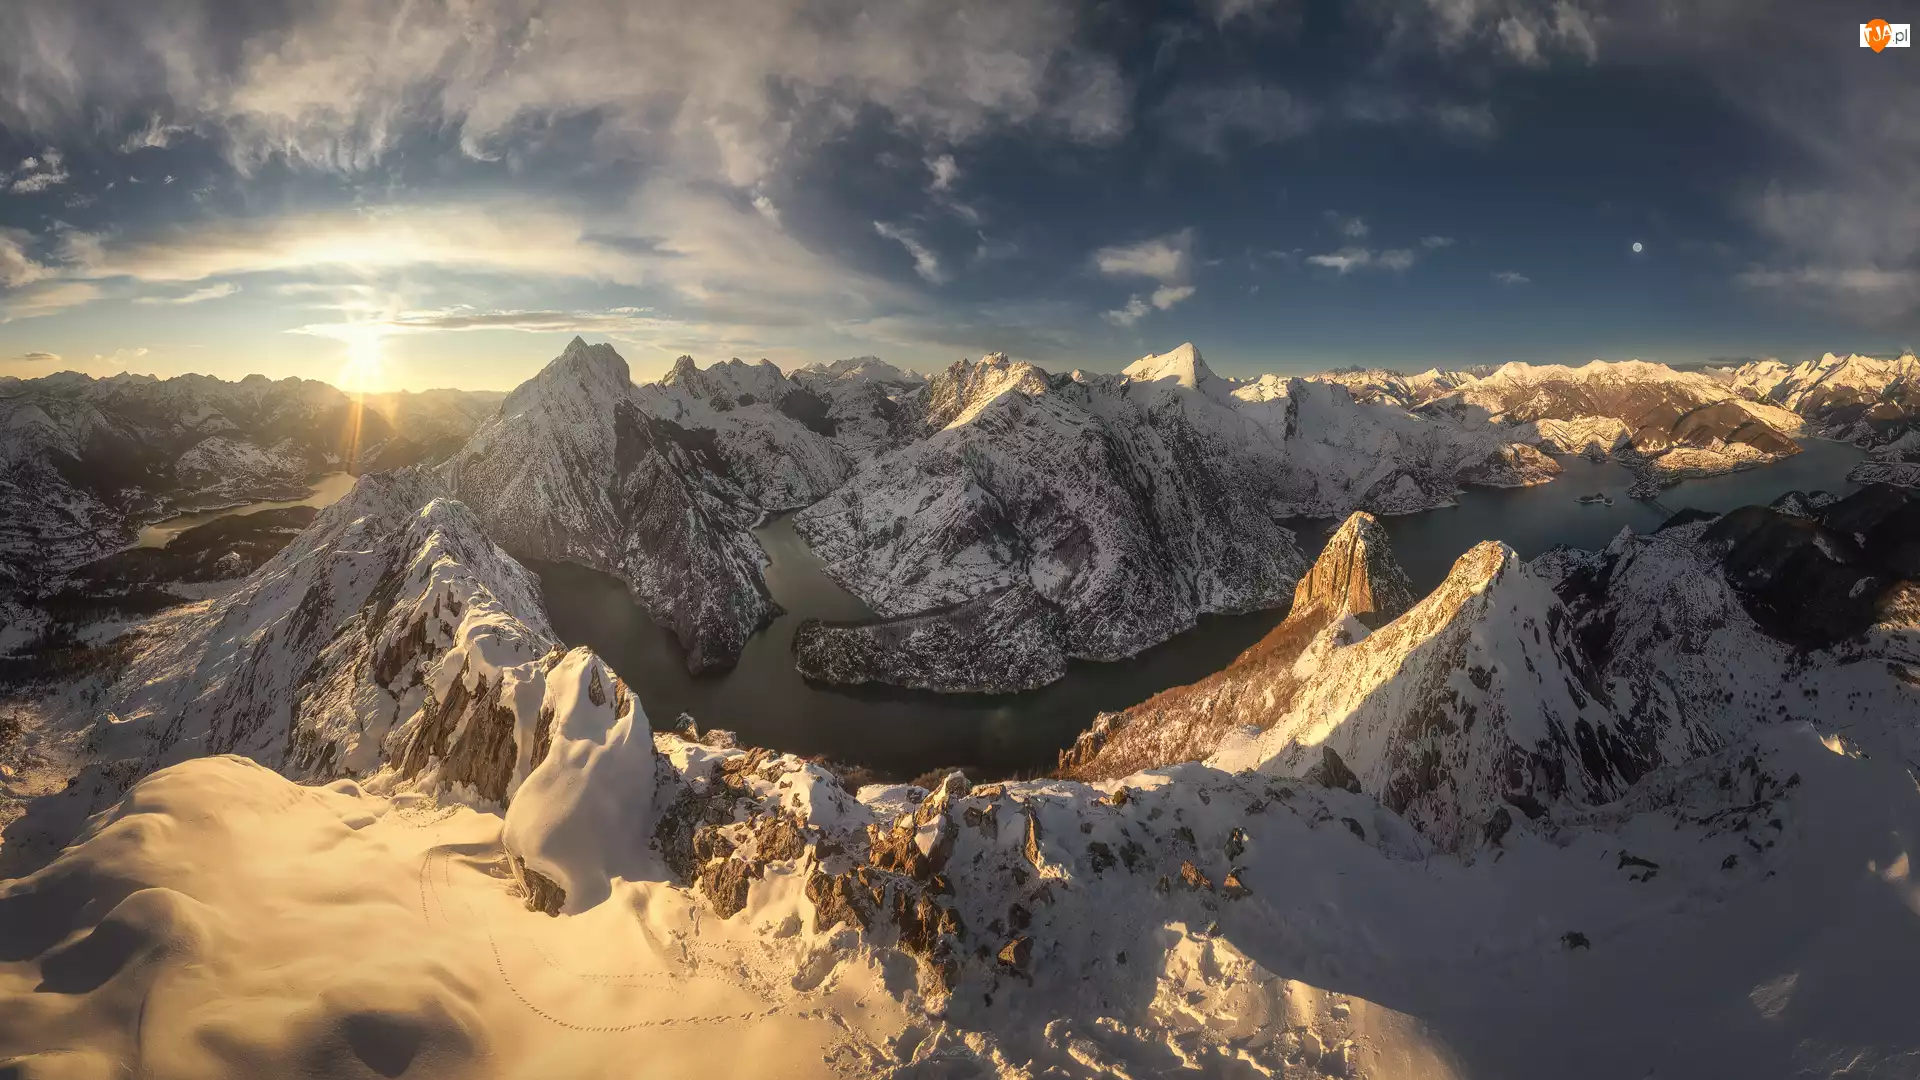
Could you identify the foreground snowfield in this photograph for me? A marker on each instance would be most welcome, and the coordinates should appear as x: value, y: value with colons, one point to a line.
x: 223, y: 921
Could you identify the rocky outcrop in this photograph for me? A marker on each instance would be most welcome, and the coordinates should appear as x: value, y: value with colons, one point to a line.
x: 1818, y: 577
x: 1001, y: 643
x: 1355, y: 578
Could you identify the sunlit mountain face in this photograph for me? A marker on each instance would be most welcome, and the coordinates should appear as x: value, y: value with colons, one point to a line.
x: 401, y: 196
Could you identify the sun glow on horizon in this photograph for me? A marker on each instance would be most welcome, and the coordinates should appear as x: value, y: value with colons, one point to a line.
x: 363, y: 371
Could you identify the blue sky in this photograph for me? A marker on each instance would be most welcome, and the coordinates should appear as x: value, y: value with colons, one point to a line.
x: 443, y: 192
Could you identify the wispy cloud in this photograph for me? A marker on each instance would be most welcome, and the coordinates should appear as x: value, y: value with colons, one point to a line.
x: 1434, y: 243
x: 925, y: 262
x: 198, y: 296
x: 1349, y: 259
x: 1511, y: 277
x: 39, y: 357
x: 1216, y: 119
x: 47, y: 298
x: 38, y: 173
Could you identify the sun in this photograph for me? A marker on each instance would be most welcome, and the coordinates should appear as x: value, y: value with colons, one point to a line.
x: 362, y: 372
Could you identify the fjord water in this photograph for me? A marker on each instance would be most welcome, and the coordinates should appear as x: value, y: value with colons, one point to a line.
x: 899, y: 734
x: 326, y: 491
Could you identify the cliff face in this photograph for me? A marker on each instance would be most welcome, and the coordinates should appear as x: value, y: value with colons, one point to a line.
x: 1354, y: 584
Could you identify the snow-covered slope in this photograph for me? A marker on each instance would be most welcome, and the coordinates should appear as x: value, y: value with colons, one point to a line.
x: 1354, y: 584
x: 1189, y: 921
x: 1135, y: 502
x: 573, y: 468
x: 1666, y: 424
x: 1858, y: 398
x: 1477, y: 699
x: 325, y: 652
x: 662, y: 484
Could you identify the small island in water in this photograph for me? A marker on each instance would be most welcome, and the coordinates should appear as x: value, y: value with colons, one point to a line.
x: 1599, y: 497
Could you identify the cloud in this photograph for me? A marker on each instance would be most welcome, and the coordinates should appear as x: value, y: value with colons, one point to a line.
x: 1511, y: 277
x: 925, y: 262
x: 1395, y: 259
x: 1167, y: 259
x: 1137, y: 306
x: 39, y: 173
x: 1471, y: 122
x: 1349, y: 259
x: 1527, y: 32
x: 1168, y: 295
x: 766, y: 208
x: 46, y: 298
x: 1216, y: 119
x: 120, y: 357
x: 1354, y: 227
x: 944, y: 171
x: 1225, y: 11
x: 1871, y: 293
x: 337, y: 85
x: 706, y: 249
x: 39, y: 357
x: 18, y: 268
x: 1434, y: 243
x: 197, y: 296
x: 457, y: 319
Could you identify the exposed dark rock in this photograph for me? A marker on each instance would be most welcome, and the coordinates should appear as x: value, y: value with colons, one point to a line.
x: 999, y: 643
x: 542, y: 894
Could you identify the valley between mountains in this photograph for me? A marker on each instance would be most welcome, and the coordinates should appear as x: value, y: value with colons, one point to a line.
x: 325, y: 793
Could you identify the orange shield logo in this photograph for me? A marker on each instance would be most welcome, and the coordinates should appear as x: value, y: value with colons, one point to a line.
x: 1878, y: 34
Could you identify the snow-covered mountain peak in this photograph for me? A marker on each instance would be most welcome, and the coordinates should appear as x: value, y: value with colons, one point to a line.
x: 1183, y: 365
x: 956, y: 395
x: 596, y: 370
x: 859, y: 369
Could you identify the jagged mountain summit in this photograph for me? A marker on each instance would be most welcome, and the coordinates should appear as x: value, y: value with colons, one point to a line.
x: 1865, y: 400
x: 1378, y: 386
x: 1667, y: 425
x: 659, y: 485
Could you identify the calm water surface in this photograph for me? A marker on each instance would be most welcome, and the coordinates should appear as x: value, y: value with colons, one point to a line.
x: 902, y: 733
x: 326, y: 491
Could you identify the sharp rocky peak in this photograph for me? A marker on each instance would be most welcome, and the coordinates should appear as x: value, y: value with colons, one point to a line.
x: 1356, y: 574
x: 594, y: 367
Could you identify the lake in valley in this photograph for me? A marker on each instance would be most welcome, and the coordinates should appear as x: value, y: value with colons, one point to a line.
x: 326, y: 491
x: 900, y: 733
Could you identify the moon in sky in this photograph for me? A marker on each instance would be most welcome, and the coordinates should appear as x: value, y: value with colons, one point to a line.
x: 1636, y: 247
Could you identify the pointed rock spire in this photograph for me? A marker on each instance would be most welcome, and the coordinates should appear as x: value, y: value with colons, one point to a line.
x: 1356, y: 574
